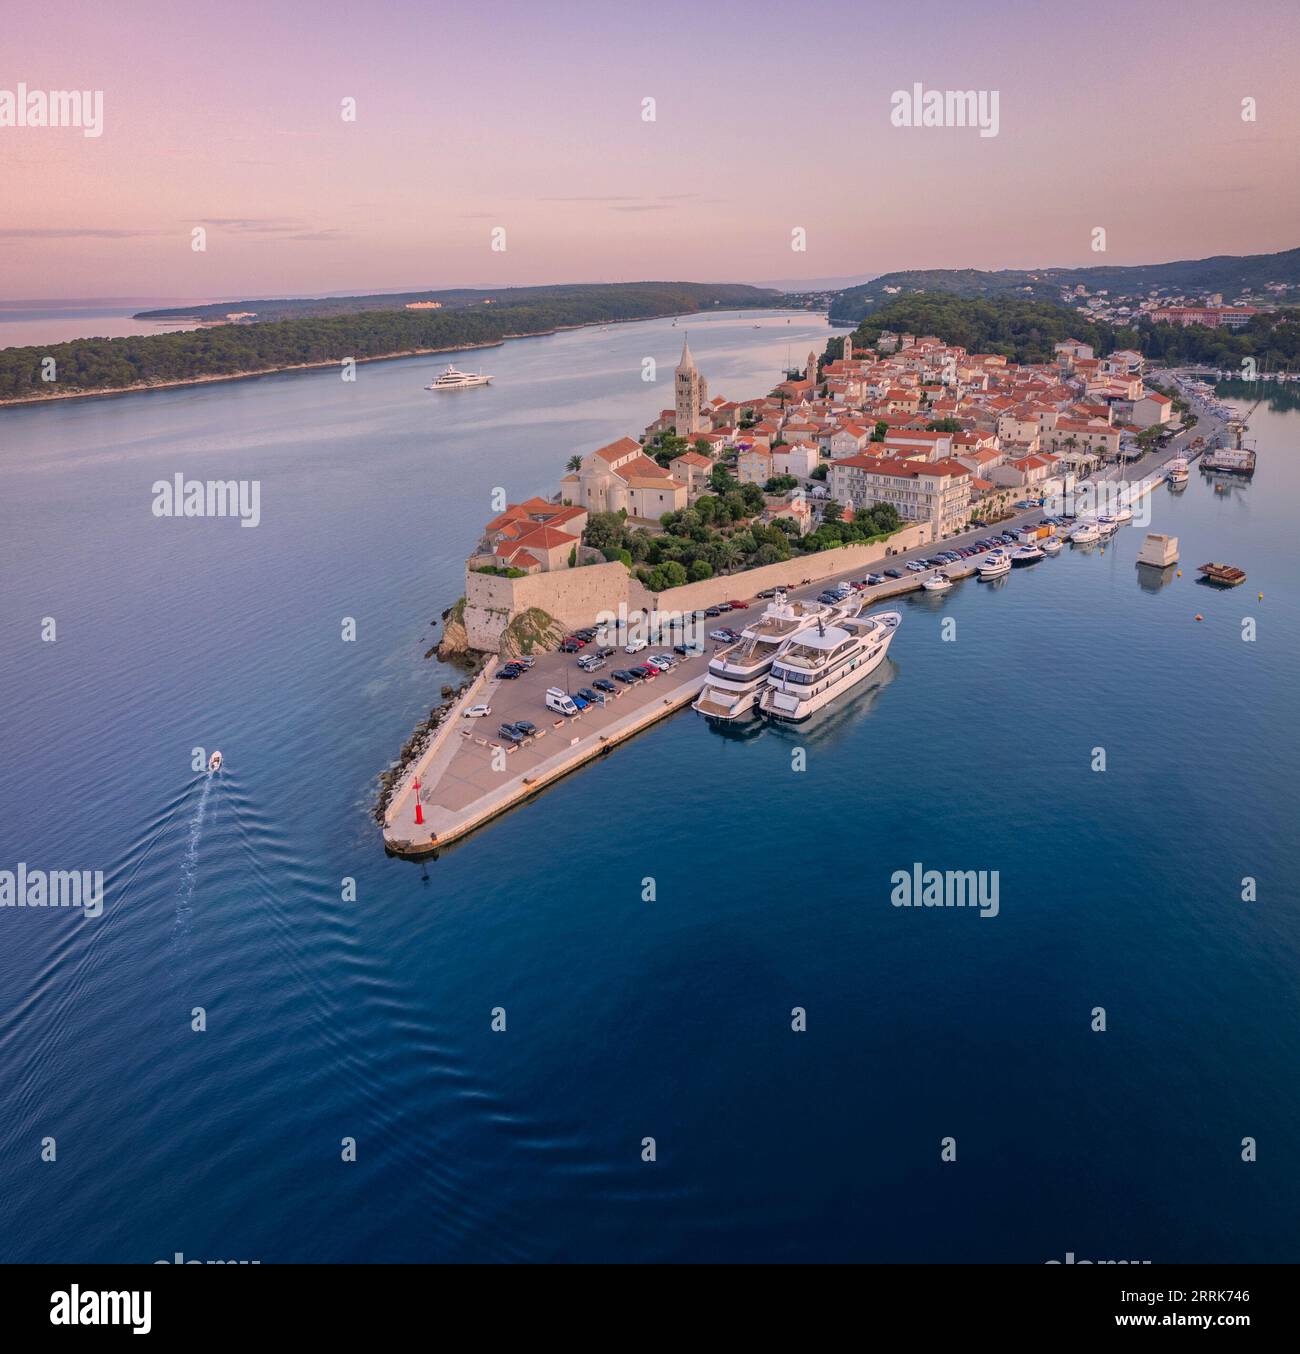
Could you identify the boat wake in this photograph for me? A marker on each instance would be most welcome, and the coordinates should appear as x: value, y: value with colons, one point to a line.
x: 190, y: 861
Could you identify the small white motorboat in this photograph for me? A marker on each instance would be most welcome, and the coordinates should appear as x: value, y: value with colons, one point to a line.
x: 1027, y: 554
x: 214, y: 762
x: 1085, y: 533
x: 937, y: 582
x: 994, y: 565
x: 1051, y: 546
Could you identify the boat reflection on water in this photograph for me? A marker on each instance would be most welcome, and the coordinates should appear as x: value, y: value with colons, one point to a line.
x: 826, y: 723
x: 1226, y: 484
x: 742, y: 730
x: 1152, y: 579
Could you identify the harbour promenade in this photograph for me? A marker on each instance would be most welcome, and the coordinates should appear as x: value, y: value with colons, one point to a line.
x: 469, y: 774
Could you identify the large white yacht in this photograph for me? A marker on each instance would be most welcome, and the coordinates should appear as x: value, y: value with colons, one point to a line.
x: 1085, y: 533
x: 737, y: 674
x: 1178, y: 471
x: 821, y: 663
x: 1026, y: 554
x: 452, y: 379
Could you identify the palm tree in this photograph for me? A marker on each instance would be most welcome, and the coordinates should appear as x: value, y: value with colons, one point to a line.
x: 574, y: 463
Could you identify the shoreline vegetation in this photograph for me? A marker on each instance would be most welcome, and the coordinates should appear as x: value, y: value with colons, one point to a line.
x: 1025, y: 331
x: 231, y: 352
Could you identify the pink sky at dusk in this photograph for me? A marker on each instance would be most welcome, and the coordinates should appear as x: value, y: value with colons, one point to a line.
x: 528, y: 117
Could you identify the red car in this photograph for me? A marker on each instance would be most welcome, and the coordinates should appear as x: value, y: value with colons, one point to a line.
x: 737, y: 606
x: 576, y: 641
x: 647, y: 670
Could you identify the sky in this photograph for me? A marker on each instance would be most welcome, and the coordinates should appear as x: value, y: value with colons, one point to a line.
x: 529, y: 118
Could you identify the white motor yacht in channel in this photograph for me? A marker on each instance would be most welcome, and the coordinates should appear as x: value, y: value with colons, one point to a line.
x: 1085, y: 533
x: 937, y: 582
x: 1026, y: 554
x: 452, y: 379
x: 738, y: 674
x: 995, y: 564
x: 825, y: 661
x: 1178, y: 471
x: 1050, y: 546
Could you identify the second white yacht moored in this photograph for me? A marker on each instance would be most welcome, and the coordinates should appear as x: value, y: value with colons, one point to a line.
x: 738, y: 674
x: 1027, y: 554
x: 821, y: 663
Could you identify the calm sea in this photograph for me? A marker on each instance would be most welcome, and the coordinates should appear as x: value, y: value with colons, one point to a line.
x: 23, y: 323
x: 370, y: 1020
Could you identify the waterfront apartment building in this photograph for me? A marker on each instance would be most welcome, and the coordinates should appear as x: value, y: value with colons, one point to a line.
x: 1212, y: 317
x: 937, y: 492
x: 1152, y: 408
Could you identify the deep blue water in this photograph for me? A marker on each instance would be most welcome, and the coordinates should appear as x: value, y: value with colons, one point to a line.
x: 371, y: 1019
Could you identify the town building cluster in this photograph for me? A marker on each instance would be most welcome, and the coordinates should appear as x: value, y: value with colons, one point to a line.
x: 942, y: 434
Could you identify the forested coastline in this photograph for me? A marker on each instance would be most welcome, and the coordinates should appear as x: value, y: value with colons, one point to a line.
x: 87, y: 366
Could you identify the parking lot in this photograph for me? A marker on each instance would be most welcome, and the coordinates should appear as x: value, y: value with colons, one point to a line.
x: 471, y: 774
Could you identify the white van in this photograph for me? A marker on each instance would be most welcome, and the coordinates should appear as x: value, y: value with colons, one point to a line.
x: 556, y: 700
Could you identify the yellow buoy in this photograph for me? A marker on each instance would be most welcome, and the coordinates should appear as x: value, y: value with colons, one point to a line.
x: 1178, y: 574
x: 1261, y: 596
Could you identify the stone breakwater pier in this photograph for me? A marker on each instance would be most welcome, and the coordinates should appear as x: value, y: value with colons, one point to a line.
x: 468, y: 774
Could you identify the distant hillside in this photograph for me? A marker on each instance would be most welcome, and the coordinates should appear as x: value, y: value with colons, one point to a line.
x: 1026, y: 330
x: 661, y: 298
x: 1228, y: 273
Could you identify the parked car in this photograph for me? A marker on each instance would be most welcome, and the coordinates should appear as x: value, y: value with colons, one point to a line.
x: 570, y: 645
x: 523, y: 661
x: 873, y: 580
x: 510, y: 734
x: 590, y: 663
x: 606, y: 686
x: 579, y: 701
x: 635, y: 646
x: 526, y: 727
x: 915, y: 565
x: 509, y: 674
x: 893, y: 573
x: 590, y: 696
x: 589, y: 633
x: 721, y: 636
x: 767, y: 593
x: 739, y: 606
x: 661, y: 661
x: 622, y: 675
x: 713, y: 611
x: 978, y: 522
x: 478, y: 711
x: 647, y: 670
x: 605, y: 653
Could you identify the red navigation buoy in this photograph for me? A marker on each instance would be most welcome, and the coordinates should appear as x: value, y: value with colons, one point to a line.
x: 419, y: 808
x: 1199, y: 617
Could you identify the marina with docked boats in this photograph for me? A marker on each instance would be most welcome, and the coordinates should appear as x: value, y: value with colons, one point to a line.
x: 803, y: 649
